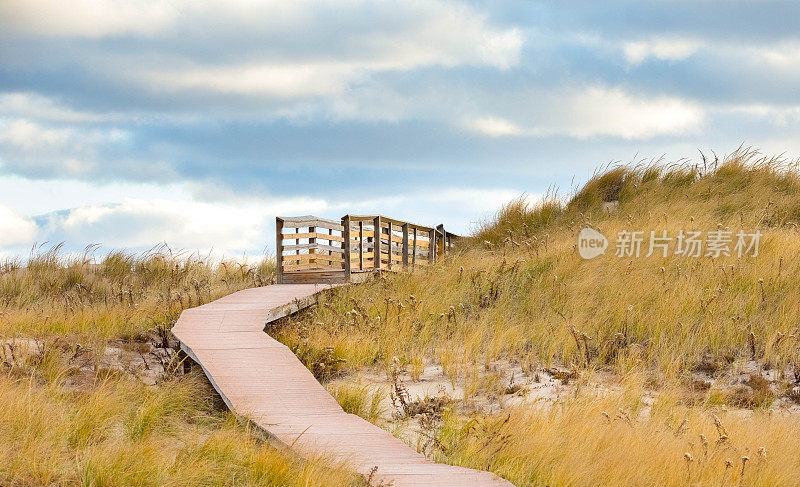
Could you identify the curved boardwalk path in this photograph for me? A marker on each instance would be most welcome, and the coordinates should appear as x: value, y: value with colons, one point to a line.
x: 260, y: 378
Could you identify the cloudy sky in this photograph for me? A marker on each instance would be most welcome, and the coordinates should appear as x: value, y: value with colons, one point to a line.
x: 131, y: 122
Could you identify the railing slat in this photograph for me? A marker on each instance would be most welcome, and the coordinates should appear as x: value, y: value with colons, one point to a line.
x: 315, y: 257
x: 313, y: 246
x: 313, y: 223
x: 317, y: 235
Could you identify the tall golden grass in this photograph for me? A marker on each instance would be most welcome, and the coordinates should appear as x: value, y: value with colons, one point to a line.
x: 519, y: 291
x: 610, y: 440
x: 121, y: 433
x: 117, y: 295
x: 522, y: 292
x: 115, y: 431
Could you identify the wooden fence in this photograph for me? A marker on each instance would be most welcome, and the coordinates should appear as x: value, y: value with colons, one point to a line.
x: 311, y: 249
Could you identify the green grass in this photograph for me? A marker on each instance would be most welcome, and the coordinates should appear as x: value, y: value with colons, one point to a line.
x: 361, y: 400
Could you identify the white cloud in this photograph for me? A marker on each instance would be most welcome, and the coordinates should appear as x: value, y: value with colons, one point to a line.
x: 183, y: 224
x: 14, y: 229
x: 28, y: 135
x: 330, y: 52
x: 781, y: 56
x: 600, y: 111
x: 459, y: 41
x: 58, y: 194
x: 501, y: 49
x: 777, y: 115
x: 593, y: 112
x: 495, y: 127
x: 38, y: 107
x: 86, y: 18
x: 280, y: 81
x: 73, y: 151
x: 665, y: 49
x: 469, y: 200
x: 230, y: 227
x: 267, y: 58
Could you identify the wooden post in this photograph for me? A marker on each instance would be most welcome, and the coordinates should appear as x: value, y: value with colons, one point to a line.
x: 279, y: 249
x: 414, y: 251
x: 361, y: 245
x: 389, y: 231
x: 376, y: 243
x: 405, y: 245
x: 431, y: 246
x: 330, y: 242
x: 346, y: 235
x: 440, y: 229
x: 310, y: 241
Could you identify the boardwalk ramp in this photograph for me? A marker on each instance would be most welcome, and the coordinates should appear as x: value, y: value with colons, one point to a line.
x: 261, y: 379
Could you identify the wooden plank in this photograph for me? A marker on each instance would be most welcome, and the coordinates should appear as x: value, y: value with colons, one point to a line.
x: 421, y: 251
x: 310, y: 266
x: 305, y: 218
x: 313, y: 263
x: 313, y: 223
x: 395, y: 247
x: 317, y: 235
x: 313, y: 246
x: 354, y: 263
x: 332, y: 276
x: 367, y: 233
x: 261, y: 379
x: 313, y: 257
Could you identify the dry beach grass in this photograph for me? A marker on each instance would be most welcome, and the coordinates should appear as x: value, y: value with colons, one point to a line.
x: 521, y: 293
x: 697, y: 359
x: 68, y: 418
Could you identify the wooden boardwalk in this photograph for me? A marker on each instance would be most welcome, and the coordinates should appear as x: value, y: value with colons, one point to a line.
x: 261, y: 379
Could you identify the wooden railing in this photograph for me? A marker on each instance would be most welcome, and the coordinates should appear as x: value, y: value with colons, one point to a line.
x: 320, y: 250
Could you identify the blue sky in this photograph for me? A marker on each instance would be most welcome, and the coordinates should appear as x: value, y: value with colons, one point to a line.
x: 131, y: 122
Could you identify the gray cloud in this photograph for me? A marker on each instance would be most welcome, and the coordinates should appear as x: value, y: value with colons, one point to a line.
x: 310, y: 101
